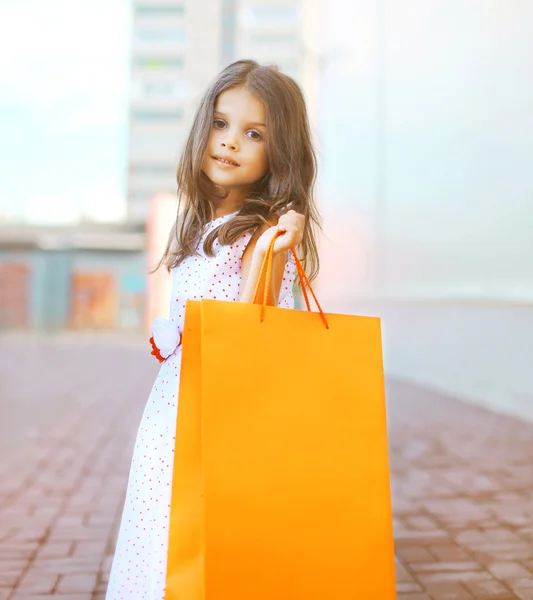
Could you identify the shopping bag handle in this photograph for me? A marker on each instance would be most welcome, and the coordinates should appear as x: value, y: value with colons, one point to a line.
x: 266, y: 270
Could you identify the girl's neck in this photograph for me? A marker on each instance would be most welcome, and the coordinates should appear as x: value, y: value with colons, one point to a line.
x: 227, y: 206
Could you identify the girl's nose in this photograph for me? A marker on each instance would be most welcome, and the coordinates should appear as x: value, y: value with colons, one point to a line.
x: 229, y: 143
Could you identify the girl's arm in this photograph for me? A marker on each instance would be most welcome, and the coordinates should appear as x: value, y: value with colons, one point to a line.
x: 252, y: 260
x: 292, y: 225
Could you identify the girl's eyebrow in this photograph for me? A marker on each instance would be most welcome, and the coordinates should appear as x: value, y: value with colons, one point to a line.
x: 217, y: 112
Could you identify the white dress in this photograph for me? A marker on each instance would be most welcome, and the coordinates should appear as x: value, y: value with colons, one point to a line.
x: 139, y: 564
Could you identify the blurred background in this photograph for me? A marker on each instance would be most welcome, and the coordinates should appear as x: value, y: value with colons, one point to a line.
x: 423, y: 119
x: 422, y: 113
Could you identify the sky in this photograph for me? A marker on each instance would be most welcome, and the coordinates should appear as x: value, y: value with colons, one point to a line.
x: 63, y: 109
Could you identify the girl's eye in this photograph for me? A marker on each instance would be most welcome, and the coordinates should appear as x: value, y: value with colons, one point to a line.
x: 220, y: 124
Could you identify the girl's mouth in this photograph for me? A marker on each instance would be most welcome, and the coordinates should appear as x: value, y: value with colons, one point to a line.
x: 225, y: 162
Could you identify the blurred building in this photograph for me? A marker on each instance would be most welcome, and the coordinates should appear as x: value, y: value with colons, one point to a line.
x: 158, y: 100
x: 271, y: 32
x: 177, y: 48
x: 77, y: 277
x: 96, y: 275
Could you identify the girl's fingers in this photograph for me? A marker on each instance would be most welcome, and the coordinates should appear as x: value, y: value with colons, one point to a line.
x: 290, y: 225
x: 287, y: 241
x: 287, y: 228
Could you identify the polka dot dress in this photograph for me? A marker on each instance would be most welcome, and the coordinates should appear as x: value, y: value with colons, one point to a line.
x: 139, y: 565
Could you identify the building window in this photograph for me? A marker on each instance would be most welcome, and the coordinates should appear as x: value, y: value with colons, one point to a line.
x: 228, y: 31
x: 159, y: 63
x: 163, y: 89
x: 228, y: 22
x: 273, y: 39
x: 139, y: 114
x: 159, y: 10
x: 160, y: 35
x: 227, y: 50
x: 271, y: 16
x: 152, y: 169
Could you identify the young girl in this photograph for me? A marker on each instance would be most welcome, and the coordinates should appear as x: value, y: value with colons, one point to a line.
x: 246, y: 174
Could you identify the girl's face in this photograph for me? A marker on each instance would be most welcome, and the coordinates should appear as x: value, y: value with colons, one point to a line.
x: 238, y: 135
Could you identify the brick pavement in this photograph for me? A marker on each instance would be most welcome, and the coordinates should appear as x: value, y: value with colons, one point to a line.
x: 462, y: 478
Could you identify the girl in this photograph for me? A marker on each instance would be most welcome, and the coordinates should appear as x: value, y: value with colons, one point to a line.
x: 246, y: 174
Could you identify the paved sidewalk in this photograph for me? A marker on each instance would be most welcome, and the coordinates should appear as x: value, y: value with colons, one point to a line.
x: 462, y: 477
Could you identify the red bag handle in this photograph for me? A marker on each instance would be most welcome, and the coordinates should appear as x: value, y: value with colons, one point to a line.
x: 266, y: 267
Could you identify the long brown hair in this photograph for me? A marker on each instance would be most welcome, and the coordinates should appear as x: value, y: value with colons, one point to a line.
x: 288, y: 183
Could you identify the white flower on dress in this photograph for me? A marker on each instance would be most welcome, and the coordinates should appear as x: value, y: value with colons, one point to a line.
x: 167, y: 336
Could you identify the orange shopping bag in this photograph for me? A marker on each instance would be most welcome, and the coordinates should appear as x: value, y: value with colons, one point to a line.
x: 281, y: 477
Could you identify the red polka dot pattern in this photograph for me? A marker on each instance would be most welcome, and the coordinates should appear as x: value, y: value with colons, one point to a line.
x: 139, y: 563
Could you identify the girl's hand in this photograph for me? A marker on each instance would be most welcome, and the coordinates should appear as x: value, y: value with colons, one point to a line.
x: 291, y: 224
